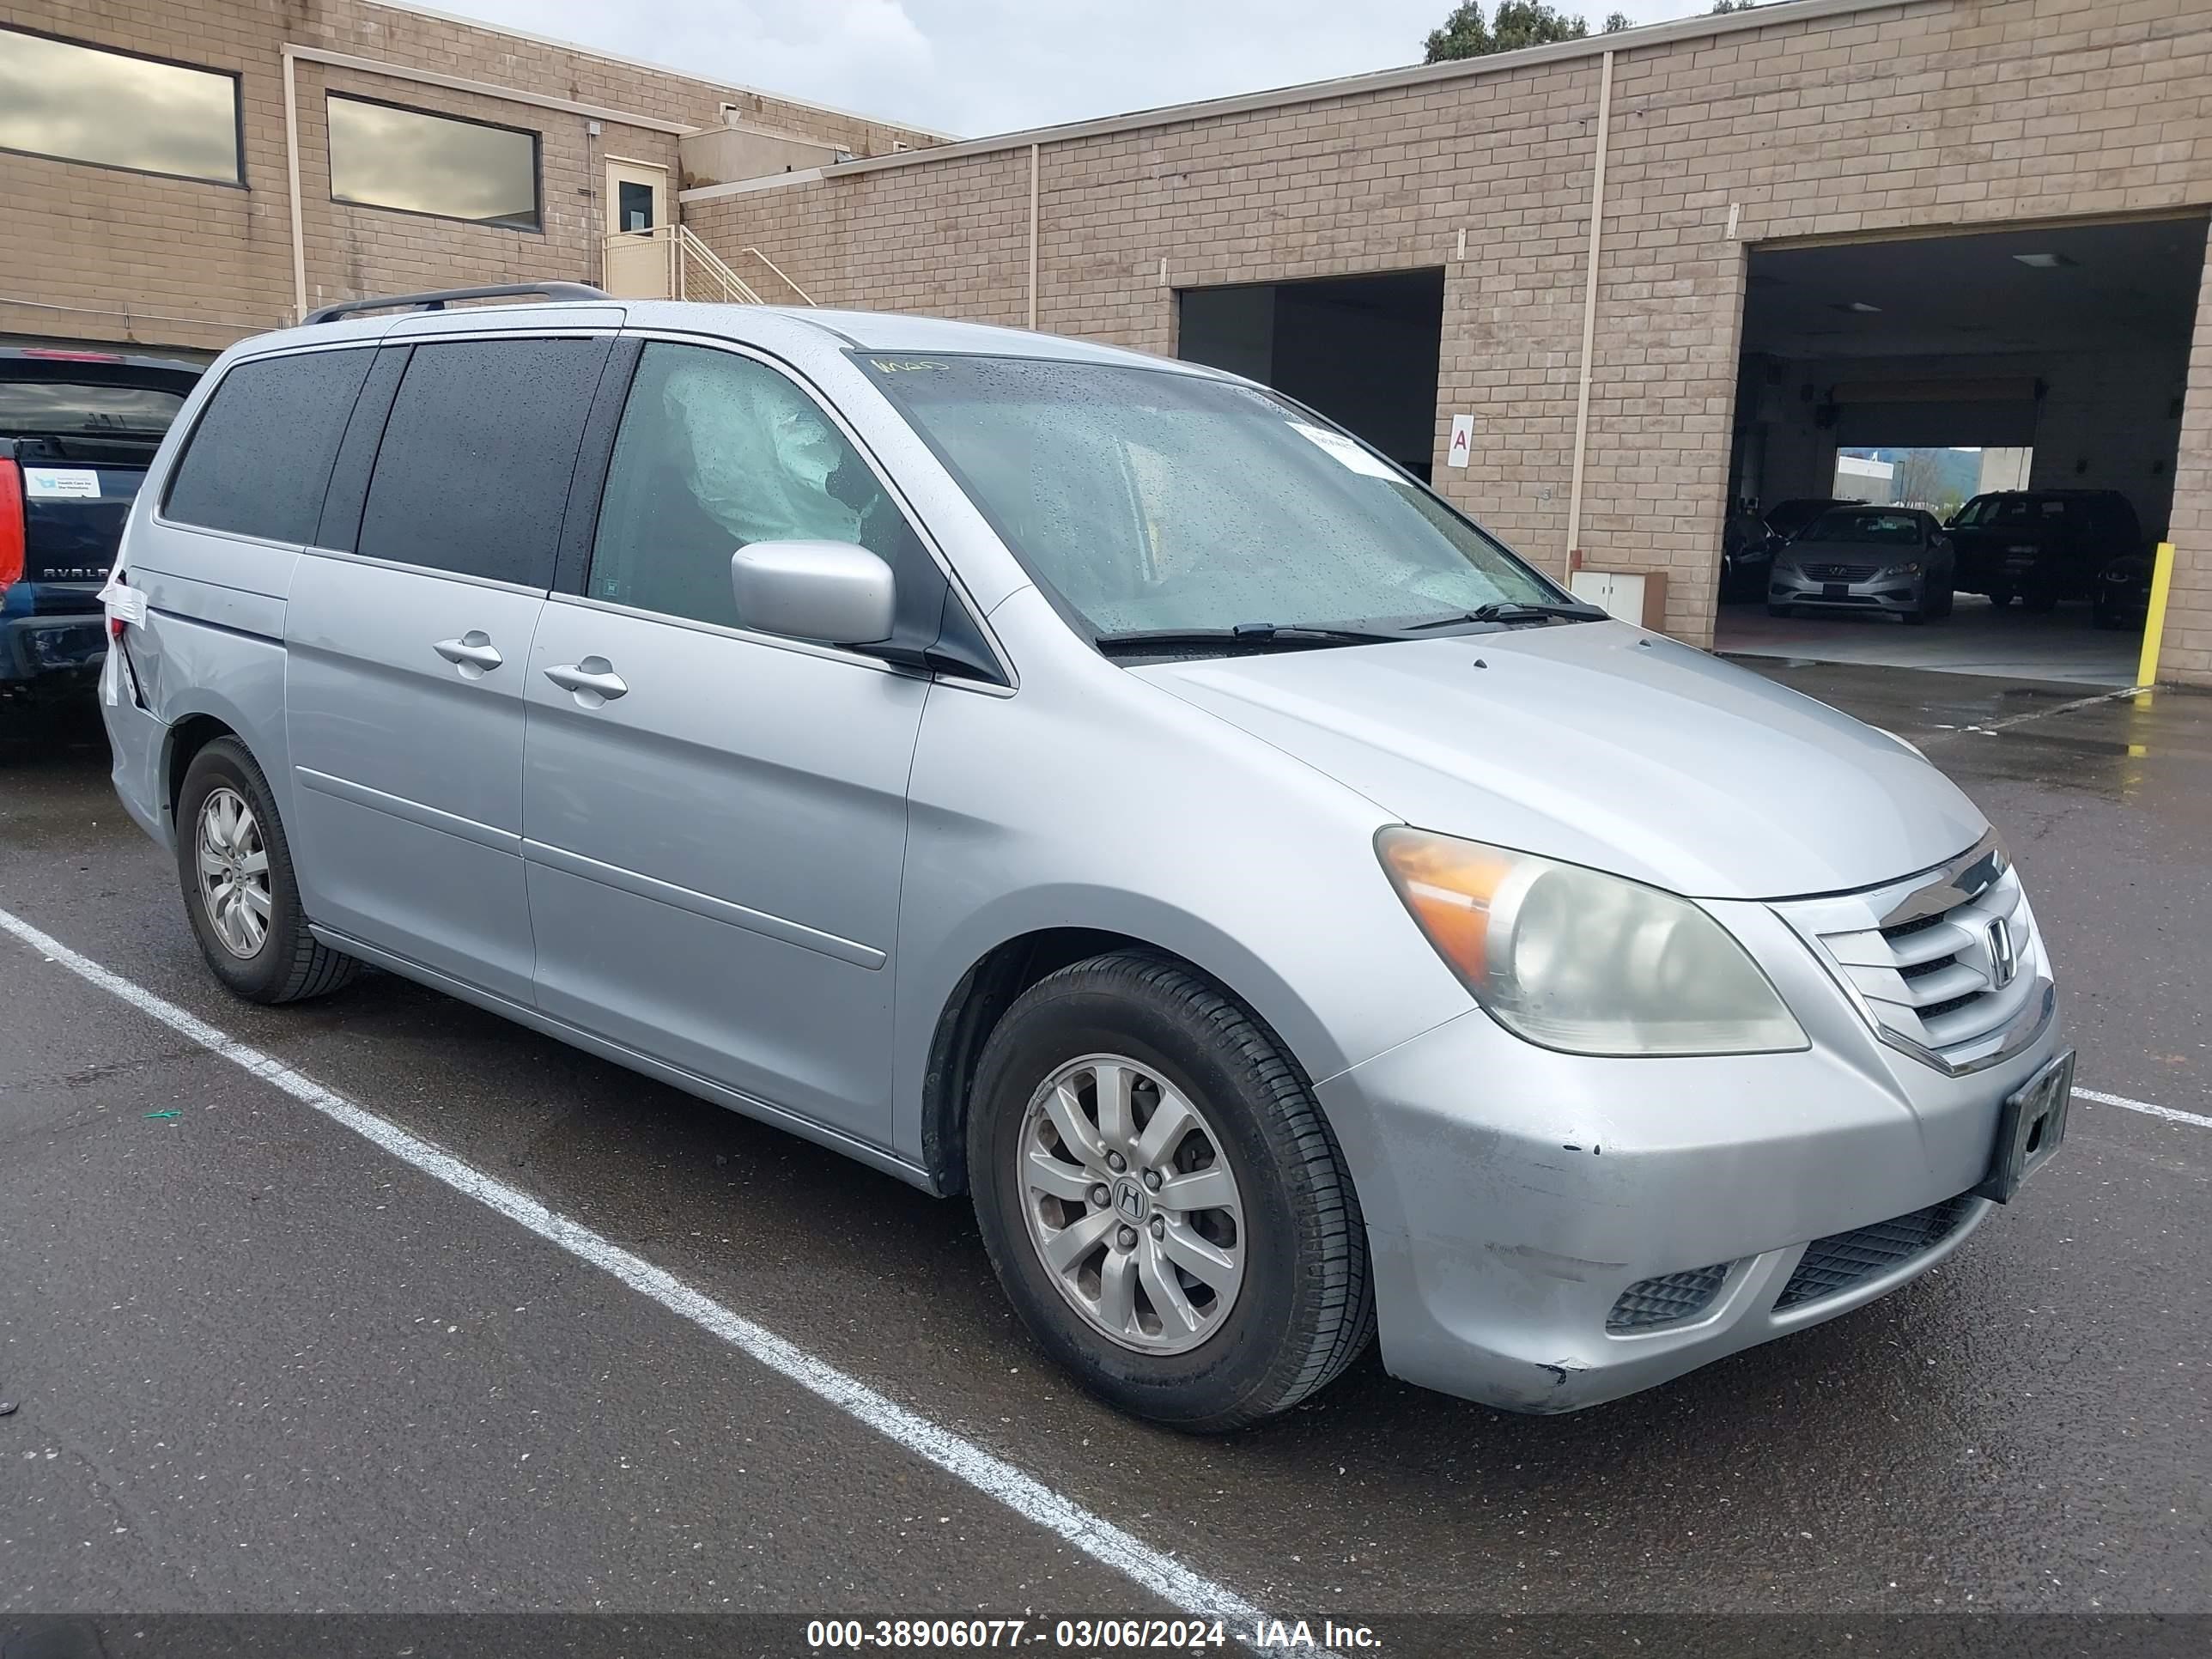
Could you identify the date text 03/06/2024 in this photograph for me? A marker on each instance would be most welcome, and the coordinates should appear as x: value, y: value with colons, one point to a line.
x: 1126, y: 1635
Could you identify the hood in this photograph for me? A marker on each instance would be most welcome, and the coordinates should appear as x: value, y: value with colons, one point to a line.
x: 1602, y: 745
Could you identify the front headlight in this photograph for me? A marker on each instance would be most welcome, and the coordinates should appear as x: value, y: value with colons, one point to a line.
x: 1576, y: 960
x: 1910, y: 568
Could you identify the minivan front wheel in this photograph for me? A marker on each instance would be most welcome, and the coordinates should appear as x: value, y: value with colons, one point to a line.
x: 1161, y: 1197
x: 235, y: 867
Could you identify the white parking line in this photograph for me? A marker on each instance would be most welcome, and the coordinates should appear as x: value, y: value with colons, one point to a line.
x: 2169, y: 1113
x: 1029, y: 1498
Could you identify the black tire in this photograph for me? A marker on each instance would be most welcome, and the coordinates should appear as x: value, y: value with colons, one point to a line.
x: 2000, y: 597
x: 290, y: 964
x: 1305, y: 1309
x: 1947, y: 600
x: 2109, y: 620
x: 2042, y: 602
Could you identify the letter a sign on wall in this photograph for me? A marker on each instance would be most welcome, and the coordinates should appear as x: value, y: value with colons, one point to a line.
x: 1462, y: 441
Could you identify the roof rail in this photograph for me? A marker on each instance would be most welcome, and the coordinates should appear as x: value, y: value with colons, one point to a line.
x: 437, y: 301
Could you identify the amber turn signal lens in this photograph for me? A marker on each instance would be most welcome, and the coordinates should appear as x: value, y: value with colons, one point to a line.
x: 1449, y: 885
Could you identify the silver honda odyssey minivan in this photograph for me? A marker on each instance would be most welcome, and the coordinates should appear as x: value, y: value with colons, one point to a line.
x: 1095, y: 785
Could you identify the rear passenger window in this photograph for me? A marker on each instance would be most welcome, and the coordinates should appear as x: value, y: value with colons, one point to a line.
x: 472, y: 475
x: 260, y: 456
x: 717, y: 451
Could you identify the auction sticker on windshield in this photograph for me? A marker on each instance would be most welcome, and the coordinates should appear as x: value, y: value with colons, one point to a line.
x: 1350, y: 454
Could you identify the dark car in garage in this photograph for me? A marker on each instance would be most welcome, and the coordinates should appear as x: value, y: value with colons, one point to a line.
x: 2042, y: 545
x: 2123, y: 598
x: 1785, y: 520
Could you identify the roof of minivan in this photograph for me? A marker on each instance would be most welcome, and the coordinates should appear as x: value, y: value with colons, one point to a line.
x: 790, y: 328
x: 883, y: 331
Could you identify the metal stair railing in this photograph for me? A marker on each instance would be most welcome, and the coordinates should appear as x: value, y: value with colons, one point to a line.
x: 693, y: 254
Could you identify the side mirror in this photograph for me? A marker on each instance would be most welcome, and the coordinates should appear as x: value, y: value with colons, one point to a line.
x: 831, y: 591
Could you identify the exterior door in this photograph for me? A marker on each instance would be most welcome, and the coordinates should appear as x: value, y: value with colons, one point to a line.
x: 639, y: 259
x: 716, y: 819
x: 407, y: 649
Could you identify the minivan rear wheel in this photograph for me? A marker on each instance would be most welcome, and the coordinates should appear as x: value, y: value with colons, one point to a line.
x: 1161, y: 1197
x: 235, y: 867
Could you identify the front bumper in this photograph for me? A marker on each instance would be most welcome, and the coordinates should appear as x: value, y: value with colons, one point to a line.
x: 1513, y: 1195
x: 1898, y: 595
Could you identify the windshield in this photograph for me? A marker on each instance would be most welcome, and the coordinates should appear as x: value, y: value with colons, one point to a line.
x: 1790, y: 516
x: 1875, y: 529
x: 1147, y: 500
x: 40, y: 407
x: 2009, y: 509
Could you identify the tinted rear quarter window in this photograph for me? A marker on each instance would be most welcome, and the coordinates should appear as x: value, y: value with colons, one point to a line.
x: 259, y: 459
x: 472, y: 477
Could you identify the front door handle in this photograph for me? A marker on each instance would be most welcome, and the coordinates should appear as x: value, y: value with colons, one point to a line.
x: 594, y: 680
x: 473, y: 653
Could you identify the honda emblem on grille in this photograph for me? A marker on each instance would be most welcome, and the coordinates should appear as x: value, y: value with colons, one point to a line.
x: 2005, y: 964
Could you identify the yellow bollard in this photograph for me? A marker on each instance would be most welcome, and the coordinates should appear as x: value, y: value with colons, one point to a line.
x: 2162, y: 579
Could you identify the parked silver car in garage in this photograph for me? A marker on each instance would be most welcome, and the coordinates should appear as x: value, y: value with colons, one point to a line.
x: 1098, y: 785
x: 1894, y: 560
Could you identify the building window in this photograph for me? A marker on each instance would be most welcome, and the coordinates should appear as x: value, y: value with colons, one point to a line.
x: 382, y: 156
x: 117, y: 110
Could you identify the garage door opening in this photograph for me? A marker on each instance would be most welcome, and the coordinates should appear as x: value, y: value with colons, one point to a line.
x: 2014, y: 395
x: 1361, y: 350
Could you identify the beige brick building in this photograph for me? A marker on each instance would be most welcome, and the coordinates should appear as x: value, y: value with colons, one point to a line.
x: 1823, y: 221
x: 97, y: 251
x: 1815, y: 125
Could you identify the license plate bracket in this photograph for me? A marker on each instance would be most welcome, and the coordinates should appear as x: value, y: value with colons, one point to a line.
x: 2030, y: 1127
x: 1835, y: 590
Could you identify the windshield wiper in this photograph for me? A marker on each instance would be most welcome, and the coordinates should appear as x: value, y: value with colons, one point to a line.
x: 1244, y: 636
x: 1514, y: 611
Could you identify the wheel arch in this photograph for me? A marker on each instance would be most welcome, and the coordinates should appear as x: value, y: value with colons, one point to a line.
x: 187, y: 737
x: 982, y: 995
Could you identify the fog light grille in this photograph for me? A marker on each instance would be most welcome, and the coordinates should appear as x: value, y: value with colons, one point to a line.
x: 1834, y: 1264
x: 1668, y: 1298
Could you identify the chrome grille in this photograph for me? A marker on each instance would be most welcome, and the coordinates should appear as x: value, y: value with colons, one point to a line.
x: 1946, y: 964
x: 1840, y: 573
x: 1833, y: 1265
x: 1666, y: 1298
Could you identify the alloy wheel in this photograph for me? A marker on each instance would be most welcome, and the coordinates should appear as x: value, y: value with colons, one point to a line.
x: 1131, y: 1204
x: 233, y: 871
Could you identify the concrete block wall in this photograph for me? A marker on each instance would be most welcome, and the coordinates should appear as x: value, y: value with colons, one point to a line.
x: 1962, y: 112
x: 1812, y: 122
x: 95, y: 253
x: 2188, y: 647
x: 1327, y: 188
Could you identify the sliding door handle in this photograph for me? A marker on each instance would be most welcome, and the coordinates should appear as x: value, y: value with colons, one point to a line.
x: 473, y: 650
x: 594, y: 680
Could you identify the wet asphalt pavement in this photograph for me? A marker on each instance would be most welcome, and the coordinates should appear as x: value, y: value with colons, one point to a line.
x: 263, y: 1366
